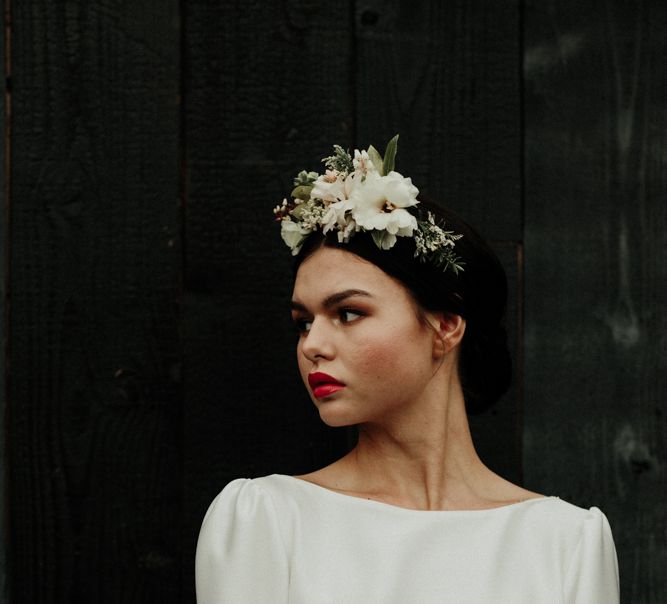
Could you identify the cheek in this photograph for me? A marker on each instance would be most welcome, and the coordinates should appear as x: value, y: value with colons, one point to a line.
x: 393, y: 357
x: 375, y: 358
x: 301, y: 362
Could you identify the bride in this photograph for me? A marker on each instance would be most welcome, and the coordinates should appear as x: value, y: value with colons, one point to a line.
x: 399, y: 308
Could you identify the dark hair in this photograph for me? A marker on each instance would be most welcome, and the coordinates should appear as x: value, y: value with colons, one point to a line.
x: 478, y: 294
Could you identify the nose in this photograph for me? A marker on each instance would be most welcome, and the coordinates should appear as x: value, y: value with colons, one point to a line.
x: 317, y: 343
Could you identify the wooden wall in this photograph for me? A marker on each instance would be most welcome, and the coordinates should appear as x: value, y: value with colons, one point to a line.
x: 94, y: 389
x: 149, y: 355
x: 4, y: 323
x: 596, y: 270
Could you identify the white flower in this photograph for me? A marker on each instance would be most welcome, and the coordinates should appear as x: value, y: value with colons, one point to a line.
x: 293, y: 234
x: 362, y: 162
x: 331, y: 190
x: 379, y: 203
x: 335, y: 215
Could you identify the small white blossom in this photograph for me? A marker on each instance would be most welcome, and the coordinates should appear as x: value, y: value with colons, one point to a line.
x: 435, y: 244
x: 347, y: 230
x: 311, y: 214
x: 362, y: 162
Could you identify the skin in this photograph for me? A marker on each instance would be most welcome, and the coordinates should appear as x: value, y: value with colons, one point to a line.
x: 402, y: 389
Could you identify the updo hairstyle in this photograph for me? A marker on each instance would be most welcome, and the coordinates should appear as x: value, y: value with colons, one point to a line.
x: 478, y: 294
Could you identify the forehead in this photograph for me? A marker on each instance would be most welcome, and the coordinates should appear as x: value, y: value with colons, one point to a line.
x: 329, y: 270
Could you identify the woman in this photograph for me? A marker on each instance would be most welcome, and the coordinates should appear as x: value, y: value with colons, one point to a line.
x: 399, y: 313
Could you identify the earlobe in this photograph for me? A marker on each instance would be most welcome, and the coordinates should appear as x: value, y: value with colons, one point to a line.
x: 449, y: 330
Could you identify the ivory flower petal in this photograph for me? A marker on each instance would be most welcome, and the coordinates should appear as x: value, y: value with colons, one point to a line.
x: 331, y: 191
x: 335, y: 215
x: 400, y: 191
x: 362, y: 161
x: 293, y: 235
x: 328, y: 191
x: 396, y: 222
x: 379, y: 203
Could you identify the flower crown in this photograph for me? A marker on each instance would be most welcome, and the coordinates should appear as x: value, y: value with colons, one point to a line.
x: 364, y: 193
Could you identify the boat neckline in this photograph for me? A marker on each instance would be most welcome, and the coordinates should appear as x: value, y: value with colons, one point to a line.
x: 374, y: 503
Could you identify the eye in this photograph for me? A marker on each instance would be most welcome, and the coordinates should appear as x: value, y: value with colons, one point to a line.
x: 302, y: 325
x: 348, y: 315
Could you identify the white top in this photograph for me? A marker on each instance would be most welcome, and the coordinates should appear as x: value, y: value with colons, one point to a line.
x: 279, y: 539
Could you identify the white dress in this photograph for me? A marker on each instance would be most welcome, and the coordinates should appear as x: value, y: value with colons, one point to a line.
x: 279, y: 539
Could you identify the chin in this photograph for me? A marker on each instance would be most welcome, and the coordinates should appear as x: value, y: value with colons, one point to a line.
x: 336, y: 423
x: 335, y: 418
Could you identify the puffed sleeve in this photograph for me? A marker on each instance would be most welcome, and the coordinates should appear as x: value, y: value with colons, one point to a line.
x: 592, y: 574
x: 240, y: 556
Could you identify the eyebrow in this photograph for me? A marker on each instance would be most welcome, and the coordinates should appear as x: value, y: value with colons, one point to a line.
x: 333, y: 299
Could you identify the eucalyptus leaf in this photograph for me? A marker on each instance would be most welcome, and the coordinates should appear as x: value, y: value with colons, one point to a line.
x: 302, y: 192
x: 298, y: 211
x: 390, y: 155
x: 376, y: 158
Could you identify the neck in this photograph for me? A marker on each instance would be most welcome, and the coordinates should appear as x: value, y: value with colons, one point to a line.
x: 424, y: 459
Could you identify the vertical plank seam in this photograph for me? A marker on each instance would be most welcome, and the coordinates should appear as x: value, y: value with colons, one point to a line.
x: 522, y: 234
x: 184, y: 181
x: 354, y: 75
x: 6, y: 251
x: 520, y: 373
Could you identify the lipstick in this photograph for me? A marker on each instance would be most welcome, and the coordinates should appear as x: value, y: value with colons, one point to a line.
x: 323, y: 385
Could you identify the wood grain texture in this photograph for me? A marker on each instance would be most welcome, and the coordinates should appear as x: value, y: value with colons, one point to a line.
x: 4, y: 307
x: 596, y: 269
x: 268, y: 91
x: 95, y: 267
x: 445, y: 75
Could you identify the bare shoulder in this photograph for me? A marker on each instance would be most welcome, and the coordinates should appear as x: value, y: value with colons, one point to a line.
x: 332, y: 477
x: 489, y: 490
x: 505, y: 491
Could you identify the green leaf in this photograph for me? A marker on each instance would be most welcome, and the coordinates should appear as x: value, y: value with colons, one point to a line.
x: 379, y: 238
x: 390, y: 155
x: 297, y: 212
x: 302, y: 192
x: 305, y: 178
x: 376, y: 158
x: 341, y: 160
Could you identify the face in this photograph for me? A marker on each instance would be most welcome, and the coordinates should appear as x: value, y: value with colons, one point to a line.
x: 363, y: 353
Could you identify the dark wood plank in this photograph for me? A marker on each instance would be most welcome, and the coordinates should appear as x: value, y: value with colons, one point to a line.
x: 268, y: 91
x: 95, y: 274
x: 5, y: 105
x: 445, y: 75
x: 596, y: 268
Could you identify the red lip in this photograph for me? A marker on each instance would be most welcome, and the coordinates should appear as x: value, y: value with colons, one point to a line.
x: 324, y: 385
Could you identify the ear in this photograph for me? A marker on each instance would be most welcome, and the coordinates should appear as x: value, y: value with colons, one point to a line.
x: 448, y: 332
